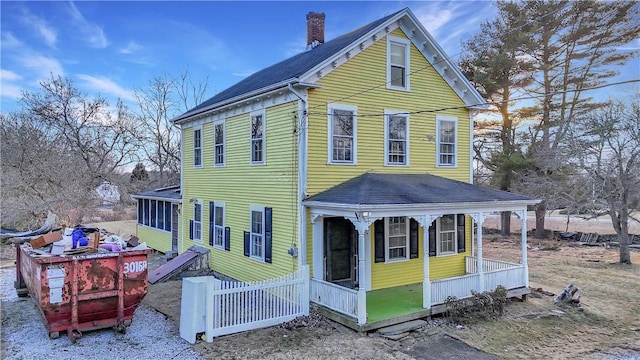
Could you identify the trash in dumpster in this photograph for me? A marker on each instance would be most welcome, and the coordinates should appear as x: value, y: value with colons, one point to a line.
x: 76, y: 283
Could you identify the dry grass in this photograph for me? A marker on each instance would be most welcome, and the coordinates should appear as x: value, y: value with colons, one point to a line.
x: 609, y: 296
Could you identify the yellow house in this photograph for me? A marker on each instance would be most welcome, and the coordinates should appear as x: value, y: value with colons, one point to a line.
x: 353, y: 158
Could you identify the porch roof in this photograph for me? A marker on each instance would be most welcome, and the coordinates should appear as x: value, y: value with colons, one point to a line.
x: 401, y: 189
x: 172, y: 194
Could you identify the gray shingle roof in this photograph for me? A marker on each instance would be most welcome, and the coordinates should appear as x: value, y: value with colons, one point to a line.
x: 387, y: 189
x: 168, y: 193
x: 290, y: 68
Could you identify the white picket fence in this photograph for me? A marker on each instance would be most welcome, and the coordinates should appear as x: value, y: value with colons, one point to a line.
x: 225, y: 307
x: 334, y: 297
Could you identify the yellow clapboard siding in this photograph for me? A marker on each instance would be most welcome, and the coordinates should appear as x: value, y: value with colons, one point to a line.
x: 155, y: 239
x: 365, y: 71
x: 240, y: 185
x: 364, y: 74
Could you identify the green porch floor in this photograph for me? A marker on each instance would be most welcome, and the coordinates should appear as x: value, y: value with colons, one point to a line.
x: 388, y: 303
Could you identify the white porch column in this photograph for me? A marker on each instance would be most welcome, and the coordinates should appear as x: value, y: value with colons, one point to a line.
x: 318, y: 250
x: 425, y: 222
x: 426, y: 282
x: 362, y: 227
x: 479, y: 218
x: 523, y: 222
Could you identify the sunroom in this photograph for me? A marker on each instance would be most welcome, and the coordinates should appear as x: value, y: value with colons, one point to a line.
x: 388, y: 248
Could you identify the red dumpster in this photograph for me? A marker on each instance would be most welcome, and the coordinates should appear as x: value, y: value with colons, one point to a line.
x: 84, y: 292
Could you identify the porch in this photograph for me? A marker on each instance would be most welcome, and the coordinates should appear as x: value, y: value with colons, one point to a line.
x: 399, y: 304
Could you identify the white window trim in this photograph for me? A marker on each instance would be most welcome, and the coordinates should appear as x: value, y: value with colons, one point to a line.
x: 261, y: 209
x: 198, y: 128
x: 439, y: 119
x: 199, y: 202
x: 354, y: 152
x: 264, y: 138
x: 224, y: 143
x: 407, y: 70
x: 386, y: 241
x: 387, y: 114
x: 222, y: 205
x: 455, y: 237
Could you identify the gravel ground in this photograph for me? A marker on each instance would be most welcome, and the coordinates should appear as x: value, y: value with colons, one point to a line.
x: 24, y: 336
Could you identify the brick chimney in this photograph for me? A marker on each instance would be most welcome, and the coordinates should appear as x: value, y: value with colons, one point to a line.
x: 315, y: 29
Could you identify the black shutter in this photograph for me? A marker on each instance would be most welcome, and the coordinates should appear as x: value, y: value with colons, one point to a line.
x: 227, y: 238
x: 247, y: 242
x: 379, y: 240
x: 191, y: 229
x: 212, y: 210
x: 413, y: 239
x: 432, y: 239
x: 461, y: 233
x: 267, y: 234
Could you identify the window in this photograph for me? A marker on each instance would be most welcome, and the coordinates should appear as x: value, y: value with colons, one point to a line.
x: 257, y: 233
x: 216, y: 224
x: 160, y: 221
x: 167, y: 216
x: 145, y: 210
x: 397, y: 238
x: 197, y: 146
x: 155, y: 214
x: 218, y: 141
x: 396, y: 138
x: 257, y: 138
x: 342, y: 134
x: 447, y: 235
x: 446, y: 140
x: 397, y: 63
x: 196, y: 226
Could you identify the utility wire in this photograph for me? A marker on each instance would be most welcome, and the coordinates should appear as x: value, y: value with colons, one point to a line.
x: 493, y: 102
x: 445, y: 59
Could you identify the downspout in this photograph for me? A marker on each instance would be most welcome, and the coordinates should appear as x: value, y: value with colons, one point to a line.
x: 471, y: 115
x: 302, y: 175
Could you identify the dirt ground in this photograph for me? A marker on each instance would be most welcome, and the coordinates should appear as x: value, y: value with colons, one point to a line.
x: 608, y: 327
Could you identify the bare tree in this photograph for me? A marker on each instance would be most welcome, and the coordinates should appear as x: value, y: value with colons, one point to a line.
x: 606, y: 148
x: 574, y: 50
x: 58, y: 148
x: 164, y: 98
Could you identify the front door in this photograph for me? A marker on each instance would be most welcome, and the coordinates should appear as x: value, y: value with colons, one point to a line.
x: 340, y: 252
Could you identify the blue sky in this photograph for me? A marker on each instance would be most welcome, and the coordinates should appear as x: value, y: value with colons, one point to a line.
x: 114, y: 48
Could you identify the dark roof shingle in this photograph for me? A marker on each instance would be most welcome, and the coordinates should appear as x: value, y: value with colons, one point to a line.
x: 168, y: 193
x: 387, y: 189
x: 290, y: 68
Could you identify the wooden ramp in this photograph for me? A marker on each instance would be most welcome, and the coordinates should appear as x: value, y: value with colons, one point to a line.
x: 178, y: 264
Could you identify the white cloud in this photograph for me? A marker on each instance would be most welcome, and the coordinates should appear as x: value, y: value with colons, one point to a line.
x: 8, y: 75
x: 9, y: 41
x: 105, y: 85
x: 436, y: 15
x: 10, y: 91
x: 42, y: 65
x: 48, y: 33
x: 93, y: 33
x: 243, y: 73
x: 132, y: 47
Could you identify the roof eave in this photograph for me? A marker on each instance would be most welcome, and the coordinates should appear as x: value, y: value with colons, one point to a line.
x: 182, y: 118
x: 431, y: 207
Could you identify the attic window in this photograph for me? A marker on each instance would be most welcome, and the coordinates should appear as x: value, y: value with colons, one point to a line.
x: 397, y: 63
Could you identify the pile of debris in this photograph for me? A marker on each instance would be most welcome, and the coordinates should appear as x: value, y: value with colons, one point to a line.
x: 50, y: 241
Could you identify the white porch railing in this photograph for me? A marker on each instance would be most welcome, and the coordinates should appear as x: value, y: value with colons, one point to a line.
x: 471, y: 265
x: 496, y: 273
x: 334, y: 297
